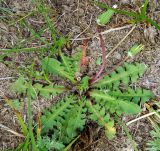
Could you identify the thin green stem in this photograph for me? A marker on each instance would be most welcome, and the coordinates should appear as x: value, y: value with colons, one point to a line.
x: 38, y: 48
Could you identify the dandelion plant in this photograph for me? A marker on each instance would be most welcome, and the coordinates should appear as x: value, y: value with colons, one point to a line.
x: 98, y: 98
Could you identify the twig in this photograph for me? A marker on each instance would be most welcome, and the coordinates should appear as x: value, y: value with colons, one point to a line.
x: 116, y: 29
x: 102, y: 44
x: 120, y: 42
x: 10, y: 130
x: 141, y: 117
x: 103, y: 33
x: 75, y: 39
x: 7, y: 78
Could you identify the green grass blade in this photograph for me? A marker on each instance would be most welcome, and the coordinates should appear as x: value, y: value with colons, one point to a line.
x: 21, y: 43
x: 70, y: 145
x: 6, y: 10
x: 19, y: 117
x: 137, y: 17
x: 36, y: 34
x: 152, y: 22
x: 40, y: 48
x: 51, y: 27
x: 24, y: 145
x: 123, y: 12
x: 43, y: 10
x: 144, y: 8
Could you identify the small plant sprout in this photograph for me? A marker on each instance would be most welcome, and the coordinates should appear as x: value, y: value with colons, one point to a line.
x: 105, y: 17
x: 135, y: 50
x: 137, y: 17
x: 80, y: 98
x: 83, y: 101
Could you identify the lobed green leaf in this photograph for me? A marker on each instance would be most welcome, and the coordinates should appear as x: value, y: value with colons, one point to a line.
x: 126, y: 74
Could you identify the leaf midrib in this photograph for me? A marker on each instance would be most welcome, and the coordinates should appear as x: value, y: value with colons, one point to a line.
x: 59, y: 111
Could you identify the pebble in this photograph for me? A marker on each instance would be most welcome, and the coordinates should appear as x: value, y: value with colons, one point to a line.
x: 117, y: 55
x: 80, y: 12
x: 125, y: 1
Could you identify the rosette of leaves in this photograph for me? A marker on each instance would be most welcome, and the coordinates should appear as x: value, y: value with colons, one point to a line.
x: 99, y: 102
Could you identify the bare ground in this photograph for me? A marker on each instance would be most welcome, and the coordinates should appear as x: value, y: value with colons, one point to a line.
x: 77, y: 19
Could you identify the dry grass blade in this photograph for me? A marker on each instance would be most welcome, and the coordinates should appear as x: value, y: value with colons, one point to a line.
x: 120, y: 42
x: 76, y: 38
x: 11, y: 131
x: 115, y: 29
x: 7, y: 78
x: 142, y: 117
x: 102, y: 33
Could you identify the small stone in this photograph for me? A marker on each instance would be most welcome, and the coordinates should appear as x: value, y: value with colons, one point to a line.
x: 80, y: 12
x: 117, y: 55
x: 125, y: 1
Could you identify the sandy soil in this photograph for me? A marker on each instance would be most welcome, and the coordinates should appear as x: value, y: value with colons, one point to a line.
x: 76, y: 18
